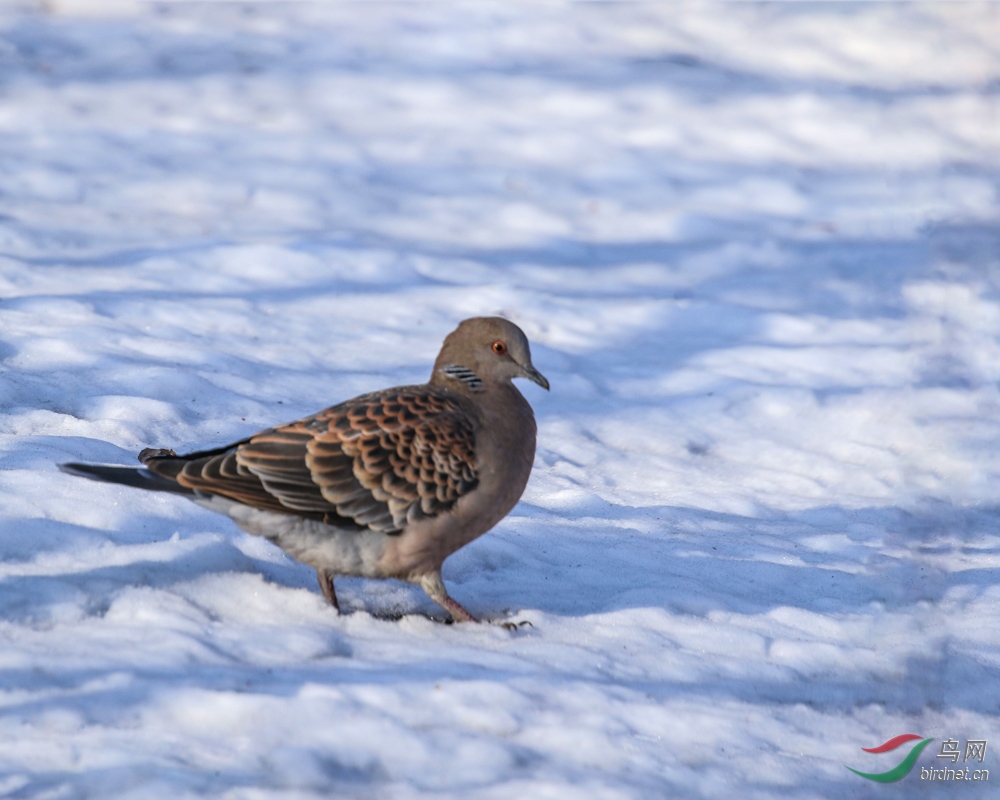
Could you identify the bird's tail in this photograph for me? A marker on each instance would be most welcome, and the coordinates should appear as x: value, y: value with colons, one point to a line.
x: 140, y: 477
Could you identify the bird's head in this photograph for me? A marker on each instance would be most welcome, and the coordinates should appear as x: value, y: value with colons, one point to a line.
x: 484, y: 350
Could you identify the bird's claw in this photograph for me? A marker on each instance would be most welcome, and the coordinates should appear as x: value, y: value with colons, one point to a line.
x: 513, y: 626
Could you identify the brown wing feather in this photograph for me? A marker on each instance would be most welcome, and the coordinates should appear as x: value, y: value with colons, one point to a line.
x: 376, y: 462
x: 221, y: 474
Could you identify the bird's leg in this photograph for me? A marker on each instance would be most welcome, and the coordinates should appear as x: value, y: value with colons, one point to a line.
x: 434, y: 586
x: 326, y: 585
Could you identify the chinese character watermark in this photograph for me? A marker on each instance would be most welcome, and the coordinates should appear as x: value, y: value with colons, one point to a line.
x: 975, y: 748
x: 949, y: 749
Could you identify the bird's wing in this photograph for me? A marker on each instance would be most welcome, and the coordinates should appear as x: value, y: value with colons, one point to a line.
x: 376, y: 462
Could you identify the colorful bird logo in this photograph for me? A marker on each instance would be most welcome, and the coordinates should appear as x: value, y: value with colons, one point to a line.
x: 903, y: 767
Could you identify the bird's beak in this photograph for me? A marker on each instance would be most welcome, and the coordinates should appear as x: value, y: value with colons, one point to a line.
x: 533, y: 374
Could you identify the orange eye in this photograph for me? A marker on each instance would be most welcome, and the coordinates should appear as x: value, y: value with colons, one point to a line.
x: 499, y: 348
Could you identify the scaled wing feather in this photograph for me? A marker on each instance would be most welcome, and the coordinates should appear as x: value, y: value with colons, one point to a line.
x: 376, y: 462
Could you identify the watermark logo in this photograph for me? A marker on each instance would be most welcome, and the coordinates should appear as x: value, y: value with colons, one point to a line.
x: 975, y: 751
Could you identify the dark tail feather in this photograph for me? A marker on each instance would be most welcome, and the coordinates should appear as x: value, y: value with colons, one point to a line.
x: 140, y: 477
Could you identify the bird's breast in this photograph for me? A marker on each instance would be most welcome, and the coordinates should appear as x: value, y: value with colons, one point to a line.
x: 505, y: 451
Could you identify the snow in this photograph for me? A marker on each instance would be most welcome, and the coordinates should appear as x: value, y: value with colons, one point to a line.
x: 755, y: 248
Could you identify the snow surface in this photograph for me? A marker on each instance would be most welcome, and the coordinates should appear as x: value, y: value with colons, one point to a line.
x: 756, y: 248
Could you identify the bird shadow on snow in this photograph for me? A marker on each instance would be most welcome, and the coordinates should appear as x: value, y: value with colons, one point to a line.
x: 55, y: 570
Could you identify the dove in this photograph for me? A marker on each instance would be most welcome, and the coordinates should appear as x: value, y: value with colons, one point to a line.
x: 386, y: 485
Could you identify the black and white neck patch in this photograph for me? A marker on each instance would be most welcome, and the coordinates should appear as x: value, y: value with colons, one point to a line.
x: 465, y: 375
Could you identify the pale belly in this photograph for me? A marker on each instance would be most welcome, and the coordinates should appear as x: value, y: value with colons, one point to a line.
x: 321, y: 546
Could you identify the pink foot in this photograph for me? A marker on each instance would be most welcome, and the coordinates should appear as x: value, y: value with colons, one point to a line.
x: 325, y: 578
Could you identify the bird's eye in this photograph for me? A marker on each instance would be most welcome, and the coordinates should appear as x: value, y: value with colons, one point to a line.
x: 499, y: 348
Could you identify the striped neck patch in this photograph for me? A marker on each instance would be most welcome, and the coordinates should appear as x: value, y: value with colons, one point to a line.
x: 465, y: 375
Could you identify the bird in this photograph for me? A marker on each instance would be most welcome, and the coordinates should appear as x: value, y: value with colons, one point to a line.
x: 385, y: 485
